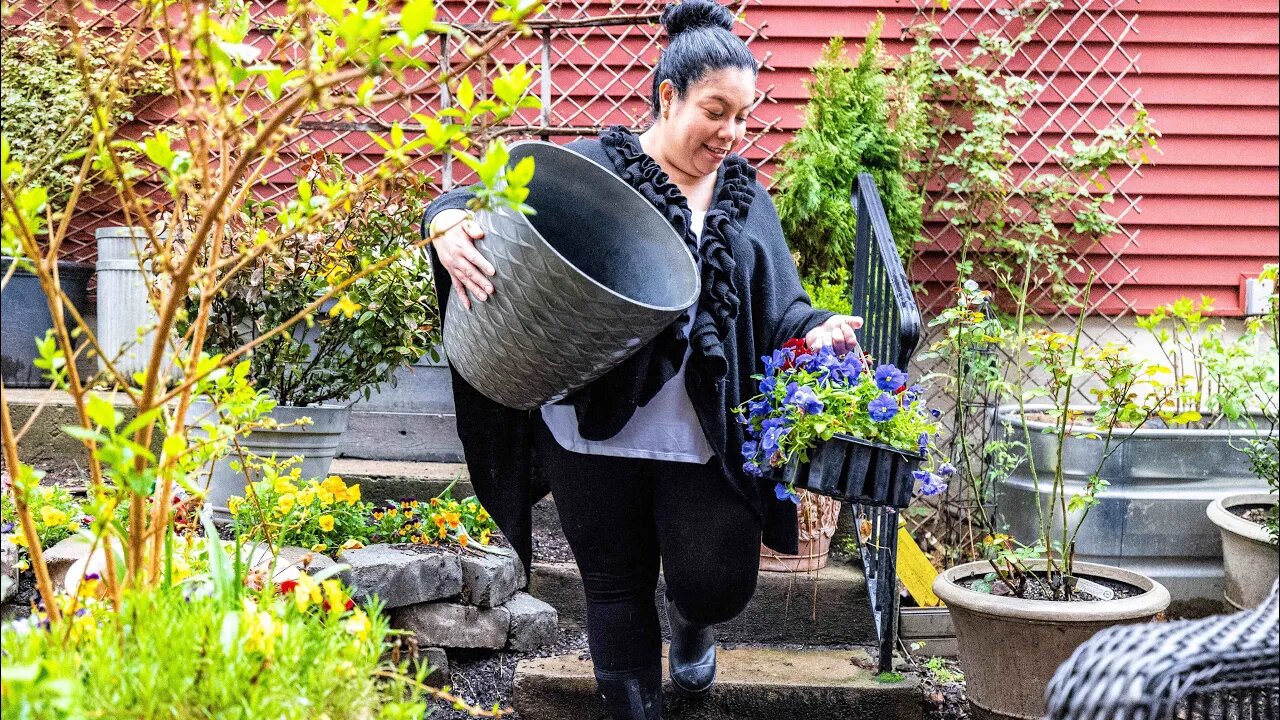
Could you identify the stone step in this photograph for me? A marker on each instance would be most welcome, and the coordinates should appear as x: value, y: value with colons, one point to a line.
x: 753, y: 683
x: 785, y: 608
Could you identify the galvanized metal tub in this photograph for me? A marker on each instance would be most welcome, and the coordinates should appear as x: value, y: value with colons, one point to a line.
x: 315, y: 443
x: 123, y: 304
x: 596, y: 274
x: 1151, y: 520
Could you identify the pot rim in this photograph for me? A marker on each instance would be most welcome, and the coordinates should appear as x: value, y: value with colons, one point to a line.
x: 1153, y: 599
x: 1219, y: 512
x: 697, y: 279
x: 1009, y: 413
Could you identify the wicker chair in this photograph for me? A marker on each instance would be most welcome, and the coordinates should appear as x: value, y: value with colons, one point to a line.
x: 1226, y: 666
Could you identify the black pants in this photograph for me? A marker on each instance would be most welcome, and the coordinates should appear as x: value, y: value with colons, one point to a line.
x: 623, y: 517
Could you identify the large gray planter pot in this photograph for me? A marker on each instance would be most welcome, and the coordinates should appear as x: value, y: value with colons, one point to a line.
x: 26, y: 317
x: 596, y: 274
x: 1010, y: 647
x: 1250, y: 560
x: 1151, y: 519
x: 316, y: 444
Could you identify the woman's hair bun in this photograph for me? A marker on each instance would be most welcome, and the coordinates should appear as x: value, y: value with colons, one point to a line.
x: 693, y: 14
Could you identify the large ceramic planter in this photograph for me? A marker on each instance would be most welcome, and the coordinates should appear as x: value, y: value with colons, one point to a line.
x: 1248, y: 557
x: 1010, y: 647
x: 26, y: 317
x: 1151, y: 518
x: 316, y: 443
x: 591, y: 278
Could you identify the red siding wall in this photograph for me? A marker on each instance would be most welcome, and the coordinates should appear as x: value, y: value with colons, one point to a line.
x: 1210, y: 212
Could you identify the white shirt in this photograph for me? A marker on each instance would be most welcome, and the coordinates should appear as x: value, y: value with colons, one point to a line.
x: 665, y: 428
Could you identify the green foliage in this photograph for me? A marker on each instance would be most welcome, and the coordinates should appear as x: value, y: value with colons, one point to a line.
x: 943, y: 670
x: 382, y: 322
x: 44, y: 106
x: 1020, y: 230
x: 833, y: 295
x: 174, y: 653
x: 848, y: 129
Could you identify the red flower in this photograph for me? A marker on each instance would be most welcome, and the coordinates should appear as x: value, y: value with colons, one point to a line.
x: 288, y: 586
x: 795, y: 347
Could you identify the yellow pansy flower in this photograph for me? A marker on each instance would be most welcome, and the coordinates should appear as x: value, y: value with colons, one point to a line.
x: 352, y: 544
x: 285, y: 503
x: 319, y: 547
x: 326, y: 497
x: 353, y: 494
x: 306, y: 496
x: 358, y: 624
x: 233, y: 504
x: 283, y: 486
x: 326, y: 523
x: 334, y: 484
x: 52, y: 515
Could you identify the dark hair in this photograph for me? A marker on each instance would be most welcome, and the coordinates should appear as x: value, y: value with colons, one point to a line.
x: 701, y: 40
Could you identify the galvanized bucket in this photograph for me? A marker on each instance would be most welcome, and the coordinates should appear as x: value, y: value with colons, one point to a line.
x: 596, y: 274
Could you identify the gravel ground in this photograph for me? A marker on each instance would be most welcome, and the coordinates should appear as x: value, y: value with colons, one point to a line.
x: 485, y: 679
x: 943, y: 688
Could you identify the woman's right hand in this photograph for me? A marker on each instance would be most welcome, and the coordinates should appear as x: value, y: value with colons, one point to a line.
x: 456, y: 249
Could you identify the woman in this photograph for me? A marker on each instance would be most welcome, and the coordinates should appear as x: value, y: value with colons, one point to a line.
x: 645, y: 463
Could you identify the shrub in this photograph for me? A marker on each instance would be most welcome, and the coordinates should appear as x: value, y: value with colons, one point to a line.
x: 170, y: 653
x: 847, y: 130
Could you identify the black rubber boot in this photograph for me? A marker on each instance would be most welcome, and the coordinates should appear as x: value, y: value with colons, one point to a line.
x: 631, y: 696
x: 692, y: 657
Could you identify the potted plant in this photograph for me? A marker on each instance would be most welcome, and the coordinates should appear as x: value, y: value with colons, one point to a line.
x: 1023, y: 610
x: 820, y: 419
x: 1224, y: 396
x: 384, y: 321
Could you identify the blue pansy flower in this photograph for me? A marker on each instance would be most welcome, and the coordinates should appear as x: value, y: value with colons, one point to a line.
x: 883, y: 408
x: 782, y: 492
x: 946, y: 470
x: 753, y: 469
x: 750, y: 448
x: 774, y: 362
x: 803, y: 398
x: 768, y: 384
x: 930, y: 484
x: 923, y: 442
x: 889, y: 378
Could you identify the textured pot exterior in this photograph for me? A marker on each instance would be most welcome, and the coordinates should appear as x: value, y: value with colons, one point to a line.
x: 814, y: 555
x: 596, y: 274
x: 26, y: 317
x: 316, y: 444
x: 1251, y: 562
x: 1010, y: 647
x: 1151, y: 519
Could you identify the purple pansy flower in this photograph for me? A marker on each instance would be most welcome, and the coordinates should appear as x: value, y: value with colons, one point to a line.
x: 930, y: 484
x: 782, y: 492
x: 883, y: 408
x: 889, y: 378
x: 803, y: 398
x: 923, y: 442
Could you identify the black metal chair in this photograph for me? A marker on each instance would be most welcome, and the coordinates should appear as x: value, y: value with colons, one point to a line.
x: 890, y: 333
x: 1226, y: 666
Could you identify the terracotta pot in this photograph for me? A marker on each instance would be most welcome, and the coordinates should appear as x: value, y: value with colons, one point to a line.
x: 1010, y: 647
x: 818, y: 519
x: 1249, y: 560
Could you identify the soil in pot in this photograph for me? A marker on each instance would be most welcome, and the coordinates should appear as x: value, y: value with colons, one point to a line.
x: 1256, y: 514
x: 1083, y: 593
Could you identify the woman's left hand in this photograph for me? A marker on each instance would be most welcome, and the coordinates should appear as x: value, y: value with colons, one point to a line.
x: 837, y: 332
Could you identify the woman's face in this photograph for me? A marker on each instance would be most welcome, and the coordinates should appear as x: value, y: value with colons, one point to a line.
x: 709, y: 122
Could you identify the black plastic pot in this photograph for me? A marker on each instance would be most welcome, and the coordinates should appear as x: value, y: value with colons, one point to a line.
x: 858, y: 471
x: 25, y: 314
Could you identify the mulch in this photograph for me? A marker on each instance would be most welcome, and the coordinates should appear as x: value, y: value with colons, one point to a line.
x: 484, y: 678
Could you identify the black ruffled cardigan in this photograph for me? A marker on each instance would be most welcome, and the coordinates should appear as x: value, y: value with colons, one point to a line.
x: 751, y: 302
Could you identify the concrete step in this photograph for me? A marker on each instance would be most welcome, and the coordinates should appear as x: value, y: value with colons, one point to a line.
x: 829, y: 607
x: 753, y: 683
x: 394, y: 479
